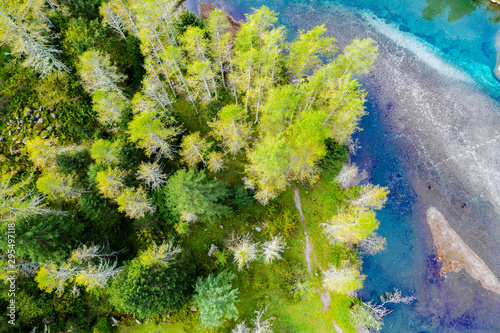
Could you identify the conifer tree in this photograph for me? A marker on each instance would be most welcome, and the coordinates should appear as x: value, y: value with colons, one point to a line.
x: 215, y: 161
x: 58, y: 185
x: 151, y: 174
x: 194, y: 149
x: 306, y: 52
x: 98, y: 73
x: 151, y: 134
x: 110, y: 182
x: 231, y: 128
x: 221, y: 40
x: 134, y: 203
x: 109, y: 106
x: 106, y: 152
x: 350, y: 226
x: 191, y: 192
x: 371, y: 197
x: 344, y: 280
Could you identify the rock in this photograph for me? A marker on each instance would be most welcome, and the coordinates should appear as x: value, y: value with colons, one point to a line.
x: 10, y: 133
x: 114, y: 320
x: 138, y: 322
x: 213, y: 247
x: 2, y: 138
x: 221, y: 227
x: 53, y: 115
x: 258, y: 229
x: 456, y: 255
x: 40, y: 121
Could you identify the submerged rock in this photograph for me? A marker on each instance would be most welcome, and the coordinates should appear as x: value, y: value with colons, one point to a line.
x: 456, y: 255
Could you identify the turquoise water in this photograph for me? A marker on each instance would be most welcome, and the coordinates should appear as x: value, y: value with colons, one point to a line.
x: 448, y: 41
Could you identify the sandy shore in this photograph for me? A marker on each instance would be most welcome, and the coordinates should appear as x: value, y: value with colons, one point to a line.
x: 455, y: 255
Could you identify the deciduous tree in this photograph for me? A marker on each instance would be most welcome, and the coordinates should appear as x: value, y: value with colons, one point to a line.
x: 194, y: 149
x: 344, y: 280
x: 135, y: 203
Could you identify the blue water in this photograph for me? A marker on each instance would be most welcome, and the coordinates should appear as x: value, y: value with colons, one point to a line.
x: 459, y: 42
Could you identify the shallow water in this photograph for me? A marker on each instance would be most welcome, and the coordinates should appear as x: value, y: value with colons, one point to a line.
x: 432, y: 136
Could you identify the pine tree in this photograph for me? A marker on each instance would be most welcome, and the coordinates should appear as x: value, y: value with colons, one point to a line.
x: 194, y: 149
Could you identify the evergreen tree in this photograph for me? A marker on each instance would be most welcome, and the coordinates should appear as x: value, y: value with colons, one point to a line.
x: 191, y: 192
x: 148, y: 291
x: 215, y: 298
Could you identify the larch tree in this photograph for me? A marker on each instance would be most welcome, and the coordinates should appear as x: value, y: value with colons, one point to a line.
x: 244, y: 250
x: 16, y: 200
x: 164, y: 254
x: 221, y: 40
x: 109, y: 106
x: 106, y: 152
x: 135, y: 203
x: 344, y: 280
x: 58, y: 185
x: 98, y: 275
x: 152, y: 134
x: 110, y: 182
x: 273, y: 248
x: 43, y: 152
x: 371, y: 197
x: 151, y: 174
x: 24, y: 27
x: 215, y: 161
x: 308, y: 49
x: 202, y: 80
x: 98, y: 73
x: 194, y: 149
x: 231, y: 128
x: 350, y: 226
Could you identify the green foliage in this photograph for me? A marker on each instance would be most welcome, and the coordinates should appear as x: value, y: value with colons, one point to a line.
x: 81, y: 35
x: 86, y: 8
x: 191, y: 192
x: 46, y: 238
x: 283, y: 221
x: 151, y: 291
x: 73, y: 162
x: 241, y: 197
x: 188, y: 19
x: 335, y: 157
x: 215, y: 299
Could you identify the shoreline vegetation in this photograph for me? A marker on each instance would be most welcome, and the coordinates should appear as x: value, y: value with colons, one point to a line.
x: 173, y: 205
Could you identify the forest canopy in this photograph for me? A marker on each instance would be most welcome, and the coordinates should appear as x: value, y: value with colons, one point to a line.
x: 136, y: 138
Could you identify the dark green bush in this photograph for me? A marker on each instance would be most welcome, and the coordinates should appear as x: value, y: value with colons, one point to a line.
x: 77, y: 162
x: 187, y: 19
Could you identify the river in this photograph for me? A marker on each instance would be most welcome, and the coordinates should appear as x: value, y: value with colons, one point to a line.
x: 432, y: 136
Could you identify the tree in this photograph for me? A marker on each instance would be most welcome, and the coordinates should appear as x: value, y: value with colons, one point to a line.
x: 109, y: 106
x: 231, y: 128
x: 344, y: 280
x: 243, y: 249
x: 371, y: 197
x: 201, y: 78
x: 45, y: 238
x: 151, y: 174
x: 51, y: 277
x: 148, y: 291
x: 17, y: 201
x: 97, y: 276
x: 267, y: 167
x: 273, y: 248
x: 194, y: 149
x: 221, y: 39
x: 25, y: 31
x: 58, y: 185
x: 164, y: 254
x: 106, y: 152
x: 43, y: 152
x: 149, y: 133
x: 215, y: 161
x: 115, y: 16
x: 87, y: 254
x: 189, y: 191
x: 350, y: 226
x: 373, y: 244
x: 349, y: 176
x: 110, y: 182
x: 306, y: 52
x: 262, y: 326
x: 98, y: 73
x: 215, y: 298
x: 241, y: 328
x: 134, y: 203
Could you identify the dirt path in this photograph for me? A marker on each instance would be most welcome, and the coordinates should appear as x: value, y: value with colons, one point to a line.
x: 296, y: 199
